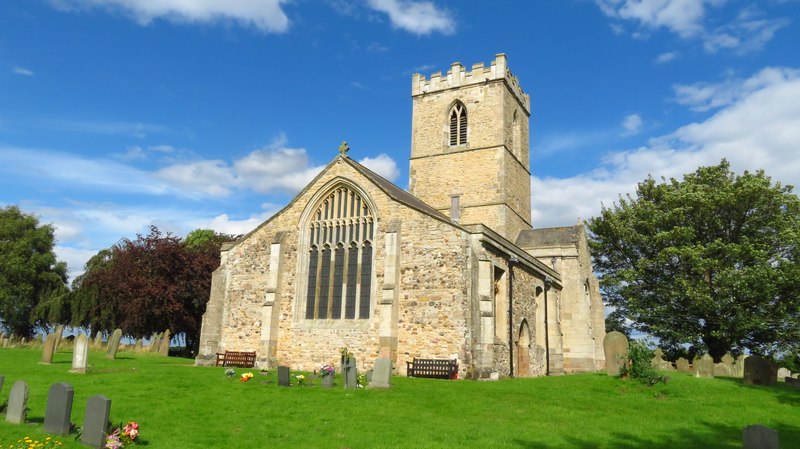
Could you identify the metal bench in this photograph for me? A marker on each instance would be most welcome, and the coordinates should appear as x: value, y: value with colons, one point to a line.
x: 240, y: 359
x: 432, y: 368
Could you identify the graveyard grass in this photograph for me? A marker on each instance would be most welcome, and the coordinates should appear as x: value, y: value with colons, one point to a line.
x: 182, y: 406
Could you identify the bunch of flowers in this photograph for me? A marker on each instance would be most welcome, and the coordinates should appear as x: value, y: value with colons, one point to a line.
x: 28, y: 443
x: 361, y: 380
x: 123, y: 436
x: 326, y: 370
x: 345, y: 353
x: 230, y: 372
x: 301, y: 379
x: 246, y: 376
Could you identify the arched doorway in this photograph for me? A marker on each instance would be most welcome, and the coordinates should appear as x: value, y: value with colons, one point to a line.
x: 523, y: 350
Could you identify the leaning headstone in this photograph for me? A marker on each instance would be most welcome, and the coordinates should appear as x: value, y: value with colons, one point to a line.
x: 722, y: 370
x: 381, y: 373
x: 49, y: 348
x: 155, y: 342
x: 95, y: 421
x: 615, y: 344
x: 17, y: 406
x: 113, y: 344
x: 138, y: 345
x: 350, y: 374
x: 284, y: 376
x: 163, y: 348
x: 683, y: 365
x: 759, y: 371
x: 59, y: 409
x: 704, y: 366
x: 80, y: 354
x: 783, y: 373
x: 59, y: 333
x: 759, y: 437
x: 98, y: 340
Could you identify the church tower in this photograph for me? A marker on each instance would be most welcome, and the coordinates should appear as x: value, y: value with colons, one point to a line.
x: 469, y: 146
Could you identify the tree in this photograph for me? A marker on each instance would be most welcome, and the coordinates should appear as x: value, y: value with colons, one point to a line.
x: 710, y: 261
x: 30, y: 274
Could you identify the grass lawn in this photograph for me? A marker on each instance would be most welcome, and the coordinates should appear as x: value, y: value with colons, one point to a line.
x: 182, y: 406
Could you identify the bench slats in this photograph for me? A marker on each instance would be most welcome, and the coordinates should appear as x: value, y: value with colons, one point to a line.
x: 236, y: 358
x: 432, y: 368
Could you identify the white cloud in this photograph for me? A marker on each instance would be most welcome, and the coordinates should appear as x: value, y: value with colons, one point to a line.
x: 75, y: 258
x: 383, y: 165
x: 666, y: 57
x: 266, y: 15
x: 631, y: 124
x: 22, y: 71
x: 706, y: 96
x: 211, y: 177
x: 757, y: 127
x: 417, y: 17
x: 683, y: 17
x: 134, y: 129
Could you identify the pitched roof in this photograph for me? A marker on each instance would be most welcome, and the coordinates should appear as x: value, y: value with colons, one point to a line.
x: 565, y: 235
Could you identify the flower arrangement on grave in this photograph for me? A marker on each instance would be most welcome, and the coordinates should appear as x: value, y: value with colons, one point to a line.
x: 230, y: 372
x: 301, y: 379
x: 123, y: 436
x: 28, y: 442
x: 346, y: 354
x: 361, y: 380
x: 326, y: 370
x: 246, y: 376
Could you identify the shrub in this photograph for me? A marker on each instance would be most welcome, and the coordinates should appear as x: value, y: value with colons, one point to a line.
x: 636, y: 364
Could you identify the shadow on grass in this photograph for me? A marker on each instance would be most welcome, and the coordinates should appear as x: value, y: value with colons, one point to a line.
x: 707, y: 436
x: 785, y: 394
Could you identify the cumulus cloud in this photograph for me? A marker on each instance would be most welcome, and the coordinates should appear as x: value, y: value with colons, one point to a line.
x: 212, y: 177
x: 383, y: 165
x: 417, y: 17
x: 706, y: 96
x: 683, y: 17
x: 631, y: 124
x: 22, y: 71
x: 266, y: 15
x: 757, y: 126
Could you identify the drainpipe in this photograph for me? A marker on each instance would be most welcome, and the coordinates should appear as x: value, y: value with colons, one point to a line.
x: 512, y: 259
x: 547, y: 283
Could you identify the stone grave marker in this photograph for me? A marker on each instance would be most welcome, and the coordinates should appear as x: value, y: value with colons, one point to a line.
x: 98, y: 340
x: 728, y: 359
x: 783, y: 373
x: 163, y: 348
x: 59, y: 409
x: 113, y: 344
x: 138, y: 345
x: 759, y: 371
x: 17, y: 406
x: 737, y: 369
x: 350, y: 374
x: 2, y: 379
x: 615, y: 344
x: 722, y: 370
x: 48, y: 349
x: 683, y: 365
x: 381, y: 373
x: 95, y: 421
x: 284, y: 379
x: 155, y: 342
x: 59, y: 334
x: 704, y: 367
x: 80, y: 354
x: 759, y: 437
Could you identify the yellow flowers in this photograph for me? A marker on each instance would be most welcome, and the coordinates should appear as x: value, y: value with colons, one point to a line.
x: 30, y: 443
x: 246, y: 376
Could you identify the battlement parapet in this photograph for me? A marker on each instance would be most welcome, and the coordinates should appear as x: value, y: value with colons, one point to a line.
x: 458, y: 76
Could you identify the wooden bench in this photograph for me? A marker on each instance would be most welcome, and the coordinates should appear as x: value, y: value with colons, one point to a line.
x: 432, y: 368
x: 236, y: 358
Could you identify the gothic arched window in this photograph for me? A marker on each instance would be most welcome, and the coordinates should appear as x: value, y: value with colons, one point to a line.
x: 341, y: 233
x: 458, y: 124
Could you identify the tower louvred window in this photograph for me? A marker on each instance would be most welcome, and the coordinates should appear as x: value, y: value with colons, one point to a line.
x: 340, y: 257
x: 458, y: 124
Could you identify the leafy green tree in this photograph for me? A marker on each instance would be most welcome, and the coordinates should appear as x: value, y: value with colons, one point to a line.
x: 30, y: 274
x: 710, y: 261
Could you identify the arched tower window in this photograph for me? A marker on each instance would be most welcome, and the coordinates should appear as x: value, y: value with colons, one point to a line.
x: 458, y: 124
x: 339, y: 265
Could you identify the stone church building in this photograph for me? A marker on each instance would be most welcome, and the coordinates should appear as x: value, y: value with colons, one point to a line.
x: 450, y: 269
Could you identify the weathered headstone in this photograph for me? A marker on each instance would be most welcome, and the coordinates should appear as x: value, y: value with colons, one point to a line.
x: 759, y: 437
x: 704, y: 366
x: 683, y: 365
x: 381, y: 373
x: 59, y: 333
x: 728, y: 359
x: 138, y: 345
x: 327, y: 381
x: 98, y: 340
x: 350, y: 373
x: 737, y: 369
x: 113, y: 344
x: 783, y: 373
x: 48, y: 349
x: 163, y: 348
x: 759, y: 371
x: 722, y: 370
x: 80, y: 354
x: 17, y: 407
x: 59, y: 409
x: 615, y: 344
x: 284, y: 376
x: 155, y: 342
x: 95, y: 421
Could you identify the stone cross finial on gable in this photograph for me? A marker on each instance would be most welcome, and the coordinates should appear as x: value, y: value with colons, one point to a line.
x: 343, y: 148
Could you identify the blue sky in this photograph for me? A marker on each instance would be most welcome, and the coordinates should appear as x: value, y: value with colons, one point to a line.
x: 118, y: 114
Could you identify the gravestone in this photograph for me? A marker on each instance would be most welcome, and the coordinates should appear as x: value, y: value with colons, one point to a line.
x: 759, y: 437
x: 722, y: 370
x: 783, y: 373
x: 615, y: 344
x: 759, y: 371
x: 350, y: 373
x: 381, y: 373
x: 737, y: 369
x: 704, y: 367
x: 80, y: 354
x: 113, y: 344
x: 728, y: 359
x: 59, y: 409
x: 138, y: 345
x: 284, y: 379
x: 2, y: 379
x: 59, y: 333
x: 683, y: 365
x: 98, y: 340
x: 95, y: 421
x: 155, y: 342
x: 17, y: 406
x: 49, y: 348
x: 658, y: 361
x: 327, y: 381
x: 163, y: 348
